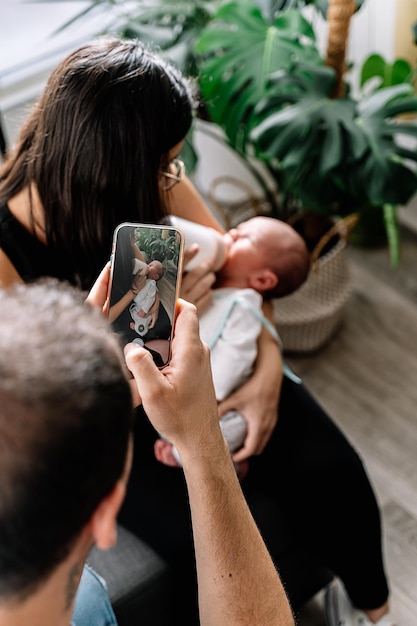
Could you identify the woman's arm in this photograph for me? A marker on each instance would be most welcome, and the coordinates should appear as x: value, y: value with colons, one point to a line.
x: 8, y: 274
x: 154, y: 311
x: 185, y: 201
x: 138, y: 253
x: 257, y: 399
x: 118, y: 307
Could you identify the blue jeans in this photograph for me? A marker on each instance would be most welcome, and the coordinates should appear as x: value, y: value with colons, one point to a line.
x: 92, y: 602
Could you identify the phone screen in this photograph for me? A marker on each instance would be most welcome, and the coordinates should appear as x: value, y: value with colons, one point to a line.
x: 146, y: 268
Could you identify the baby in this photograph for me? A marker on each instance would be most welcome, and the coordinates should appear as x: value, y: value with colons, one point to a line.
x: 146, y: 277
x: 263, y: 258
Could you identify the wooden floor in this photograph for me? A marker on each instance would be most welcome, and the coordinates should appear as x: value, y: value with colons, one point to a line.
x: 367, y: 379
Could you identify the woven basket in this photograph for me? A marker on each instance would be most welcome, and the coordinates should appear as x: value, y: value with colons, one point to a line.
x: 310, y: 317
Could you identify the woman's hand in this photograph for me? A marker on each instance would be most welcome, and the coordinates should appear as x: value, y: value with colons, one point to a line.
x: 98, y: 295
x: 196, y: 285
x: 138, y: 282
x: 154, y: 312
x: 259, y: 408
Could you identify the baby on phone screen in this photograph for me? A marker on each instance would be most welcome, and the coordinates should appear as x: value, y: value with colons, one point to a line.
x: 145, y: 290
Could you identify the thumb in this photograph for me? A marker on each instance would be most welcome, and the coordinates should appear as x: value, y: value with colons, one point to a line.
x: 146, y: 374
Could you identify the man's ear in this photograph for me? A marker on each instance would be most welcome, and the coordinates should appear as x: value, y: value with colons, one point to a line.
x: 103, y: 521
x: 262, y: 280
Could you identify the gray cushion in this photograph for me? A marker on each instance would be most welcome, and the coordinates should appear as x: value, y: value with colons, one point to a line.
x: 138, y: 581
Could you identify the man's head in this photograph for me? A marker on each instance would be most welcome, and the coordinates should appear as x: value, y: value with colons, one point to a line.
x: 65, y: 419
x: 155, y: 270
x: 266, y: 254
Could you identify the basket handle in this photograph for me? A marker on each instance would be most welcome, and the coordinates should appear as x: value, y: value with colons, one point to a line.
x: 231, y: 180
x: 341, y: 227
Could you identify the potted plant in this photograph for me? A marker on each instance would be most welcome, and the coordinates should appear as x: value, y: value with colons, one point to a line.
x: 329, y: 152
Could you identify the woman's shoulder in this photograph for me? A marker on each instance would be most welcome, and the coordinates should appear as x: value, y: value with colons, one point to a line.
x: 8, y: 273
x: 24, y: 257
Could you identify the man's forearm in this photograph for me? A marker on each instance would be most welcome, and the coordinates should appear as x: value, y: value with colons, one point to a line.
x: 238, y: 583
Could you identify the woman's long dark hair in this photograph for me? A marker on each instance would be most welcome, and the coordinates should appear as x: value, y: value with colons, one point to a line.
x: 94, y: 143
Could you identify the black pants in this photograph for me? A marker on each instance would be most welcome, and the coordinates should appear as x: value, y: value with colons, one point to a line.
x: 310, y: 472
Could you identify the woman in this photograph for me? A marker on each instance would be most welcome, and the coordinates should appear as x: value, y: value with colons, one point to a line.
x: 101, y: 147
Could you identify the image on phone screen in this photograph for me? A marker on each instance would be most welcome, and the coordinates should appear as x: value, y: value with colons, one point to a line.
x: 144, y: 286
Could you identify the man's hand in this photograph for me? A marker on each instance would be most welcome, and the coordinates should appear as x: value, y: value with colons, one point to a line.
x: 179, y: 399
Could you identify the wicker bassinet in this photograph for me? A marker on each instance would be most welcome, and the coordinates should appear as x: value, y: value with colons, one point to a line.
x: 308, y: 319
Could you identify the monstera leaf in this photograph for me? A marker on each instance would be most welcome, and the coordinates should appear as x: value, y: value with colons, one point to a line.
x: 239, y: 49
x: 378, y: 72
x: 387, y: 173
x: 338, y: 144
x: 308, y: 135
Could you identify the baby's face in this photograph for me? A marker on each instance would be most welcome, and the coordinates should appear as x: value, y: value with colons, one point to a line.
x: 246, y: 245
x: 154, y: 270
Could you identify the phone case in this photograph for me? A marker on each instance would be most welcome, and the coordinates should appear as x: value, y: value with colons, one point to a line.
x: 145, y: 278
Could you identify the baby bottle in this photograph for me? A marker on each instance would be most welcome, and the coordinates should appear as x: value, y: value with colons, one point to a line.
x: 211, y: 243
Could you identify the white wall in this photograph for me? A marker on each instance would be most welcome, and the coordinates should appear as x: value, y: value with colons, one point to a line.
x: 372, y: 29
x: 30, y: 47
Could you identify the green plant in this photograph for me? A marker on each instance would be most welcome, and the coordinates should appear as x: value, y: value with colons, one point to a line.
x: 329, y: 152
x: 377, y: 72
x: 240, y: 49
x: 159, y: 245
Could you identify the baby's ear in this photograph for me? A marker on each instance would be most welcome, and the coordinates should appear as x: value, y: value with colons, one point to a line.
x: 262, y: 280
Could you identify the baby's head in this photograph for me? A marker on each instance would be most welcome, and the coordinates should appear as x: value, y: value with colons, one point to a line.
x: 268, y: 255
x: 155, y: 270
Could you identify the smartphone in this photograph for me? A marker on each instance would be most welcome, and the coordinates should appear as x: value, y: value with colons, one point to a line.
x: 145, y: 277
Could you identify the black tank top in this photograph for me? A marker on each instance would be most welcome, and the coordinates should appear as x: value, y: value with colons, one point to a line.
x: 30, y: 257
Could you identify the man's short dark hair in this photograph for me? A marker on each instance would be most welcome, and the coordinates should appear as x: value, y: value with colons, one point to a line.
x: 65, y: 418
